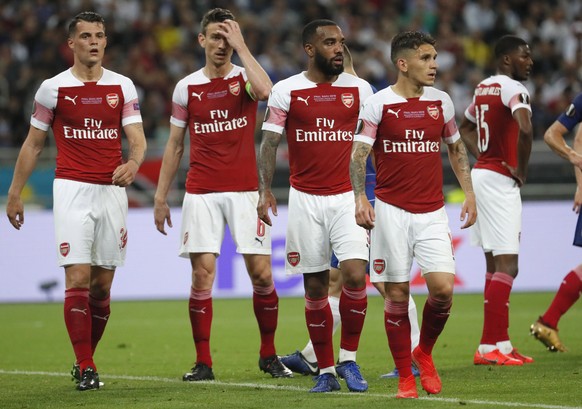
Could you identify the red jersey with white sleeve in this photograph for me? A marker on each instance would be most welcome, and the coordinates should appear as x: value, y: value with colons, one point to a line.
x: 406, y: 137
x: 86, y: 119
x: 494, y: 102
x: 221, y: 117
x: 319, y: 120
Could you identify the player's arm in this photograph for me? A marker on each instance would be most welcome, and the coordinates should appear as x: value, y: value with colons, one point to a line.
x: 365, y: 215
x: 266, y: 166
x: 524, y: 141
x: 554, y: 138
x: 468, y: 131
x: 260, y: 83
x: 460, y: 164
x: 124, y: 174
x: 170, y: 164
x: 25, y: 164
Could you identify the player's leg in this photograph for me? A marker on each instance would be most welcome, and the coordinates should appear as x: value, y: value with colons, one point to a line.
x: 546, y: 327
x: 99, y: 301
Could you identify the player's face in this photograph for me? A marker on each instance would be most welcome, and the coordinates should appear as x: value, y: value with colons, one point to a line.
x: 218, y: 51
x: 88, y: 42
x: 521, y: 63
x: 421, y: 65
x: 328, y: 50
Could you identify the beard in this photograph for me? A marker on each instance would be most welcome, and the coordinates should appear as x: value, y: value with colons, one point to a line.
x: 326, y: 66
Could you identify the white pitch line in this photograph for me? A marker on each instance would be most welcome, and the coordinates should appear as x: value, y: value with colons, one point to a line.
x: 296, y: 388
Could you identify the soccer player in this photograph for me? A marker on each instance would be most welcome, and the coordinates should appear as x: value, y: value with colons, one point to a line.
x: 497, y: 130
x: 404, y: 125
x: 546, y: 327
x: 86, y: 106
x: 218, y: 103
x: 318, y: 110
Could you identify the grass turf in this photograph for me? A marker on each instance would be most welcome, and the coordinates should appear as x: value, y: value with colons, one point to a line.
x: 148, y: 346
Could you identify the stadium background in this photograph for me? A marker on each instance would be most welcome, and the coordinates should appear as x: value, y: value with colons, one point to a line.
x: 154, y: 43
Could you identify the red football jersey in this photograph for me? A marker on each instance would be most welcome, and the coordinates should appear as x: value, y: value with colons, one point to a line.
x: 86, y: 119
x: 319, y: 121
x: 494, y: 102
x: 406, y: 136
x: 221, y: 117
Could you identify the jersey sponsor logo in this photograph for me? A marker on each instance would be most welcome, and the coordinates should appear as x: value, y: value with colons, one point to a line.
x: 65, y: 249
x: 571, y: 111
x: 293, y: 258
x: 220, y: 123
x: 524, y: 98
x: 72, y: 99
x: 185, y: 238
x: 303, y: 100
x: 379, y: 266
x: 433, y: 111
x: 123, y: 238
x: 391, y: 111
x: 234, y: 88
x: 112, y: 100
x: 348, y: 100
x: 92, y: 130
x: 197, y: 95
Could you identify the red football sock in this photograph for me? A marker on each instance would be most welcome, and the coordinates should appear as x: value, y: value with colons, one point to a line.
x: 266, y: 307
x: 496, y: 317
x: 488, y: 277
x: 434, y: 317
x: 567, y: 295
x: 397, y: 325
x: 200, y: 310
x: 353, y: 304
x: 319, y: 321
x: 100, y: 311
x: 78, y: 323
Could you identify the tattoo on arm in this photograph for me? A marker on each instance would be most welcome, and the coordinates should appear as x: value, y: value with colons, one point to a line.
x: 461, y: 166
x: 360, y: 152
x: 136, y: 148
x: 267, y: 159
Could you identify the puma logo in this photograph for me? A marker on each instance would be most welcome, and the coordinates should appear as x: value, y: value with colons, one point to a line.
x: 83, y: 311
x: 260, y: 241
x: 322, y: 325
x: 200, y: 311
x: 363, y: 312
x: 395, y: 323
x: 275, y: 308
x: 303, y: 100
x: 391, y: 111
x: 73, y: 100
x: 105, y: 318
x: 197, y: 95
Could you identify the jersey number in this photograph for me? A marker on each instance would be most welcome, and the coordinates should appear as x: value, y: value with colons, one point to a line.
x: 482, y: 128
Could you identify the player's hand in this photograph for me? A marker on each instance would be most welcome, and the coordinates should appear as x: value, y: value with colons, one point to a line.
x: 577, y: 200
x: 365, y: 214
x: 161, y: 216
x: 519, y: 179
x: 469, y: 210
x: 124, y: 174
x: 231, y: 32
x: 266, y: 201
x: 15, y: 211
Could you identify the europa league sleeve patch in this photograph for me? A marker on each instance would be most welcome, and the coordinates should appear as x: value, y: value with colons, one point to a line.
x: 359, y: 126
x: 571, y: 111
x: 524, y: 98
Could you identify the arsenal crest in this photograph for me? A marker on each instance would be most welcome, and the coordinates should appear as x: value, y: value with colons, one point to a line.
x: 234, y: 88
x: 348, y: 99
x: 64, y: 248
x: 112, y: 100
x: 293, y: 258
x: 433, y: 111
x: 379, y: 266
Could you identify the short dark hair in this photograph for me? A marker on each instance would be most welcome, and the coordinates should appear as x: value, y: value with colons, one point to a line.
x: 216, y: 15
x: 311, y: 28
x: 507, y: 44
x: 409, y: 40
x: 89, y: 16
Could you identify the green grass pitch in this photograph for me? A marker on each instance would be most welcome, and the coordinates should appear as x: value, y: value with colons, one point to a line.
x: 148, y: 346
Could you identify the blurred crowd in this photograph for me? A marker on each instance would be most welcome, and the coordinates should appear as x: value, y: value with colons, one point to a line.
x: 154, y: 43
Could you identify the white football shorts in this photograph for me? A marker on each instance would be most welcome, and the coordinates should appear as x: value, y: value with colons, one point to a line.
x: 398, y: 236
x: 319, y: 224
x: 498, y: 225
x: 205, y: 216
x: 90, y: 223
